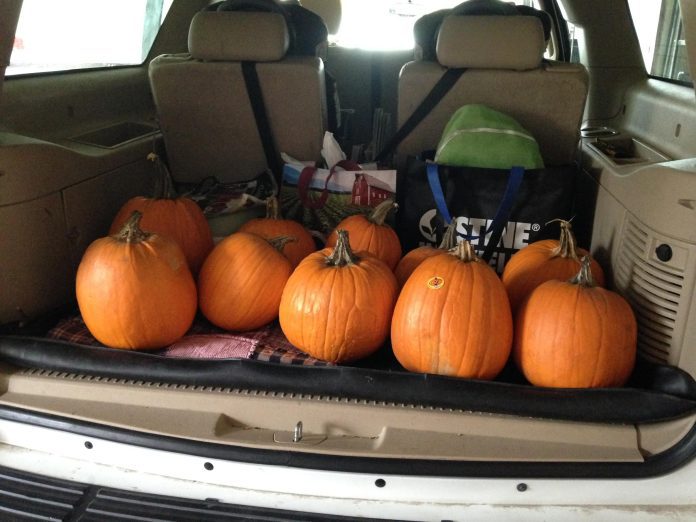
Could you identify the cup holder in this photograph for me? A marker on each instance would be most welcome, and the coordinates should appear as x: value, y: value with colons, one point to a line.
x: 598, y: 132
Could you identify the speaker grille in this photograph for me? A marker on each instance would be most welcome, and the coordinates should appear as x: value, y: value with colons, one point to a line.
x: 655, y: 291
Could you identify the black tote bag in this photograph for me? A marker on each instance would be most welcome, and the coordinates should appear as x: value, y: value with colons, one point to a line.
x: 474, y: 196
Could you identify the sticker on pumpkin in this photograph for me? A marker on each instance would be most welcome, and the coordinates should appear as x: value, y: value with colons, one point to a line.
x: 435, y: 283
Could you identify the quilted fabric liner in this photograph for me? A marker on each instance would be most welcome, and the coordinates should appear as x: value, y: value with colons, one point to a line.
x: 206, y: 341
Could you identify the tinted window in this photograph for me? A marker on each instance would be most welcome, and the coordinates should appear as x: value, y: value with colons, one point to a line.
x: 388, y: 24
x: 660, y: 32
x: 55, y: 36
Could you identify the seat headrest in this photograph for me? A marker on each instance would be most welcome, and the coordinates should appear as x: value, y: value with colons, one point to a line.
x: 307, y: 31
x: 329, y: 11
x: 491, y: 42
x: 427, y: 27
x: 238, y: 36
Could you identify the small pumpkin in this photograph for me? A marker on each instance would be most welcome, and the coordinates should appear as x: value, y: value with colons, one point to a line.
x: 573, y: 334
x: 415, y: 257
x: 241, y: 281
x: 371, y: 234
x: 453, y: 317
x: 178, y: 218
x: 337, y: 304
x: 134, y: 289
x: 543, y: 261
x: 273, y: 226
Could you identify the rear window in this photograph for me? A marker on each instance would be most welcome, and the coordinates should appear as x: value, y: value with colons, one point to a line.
x: 660, y: 31
x: 79, y: 34
x: 388, y: 24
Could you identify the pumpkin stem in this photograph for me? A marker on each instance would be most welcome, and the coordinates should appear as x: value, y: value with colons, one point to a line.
x: 465, y: 252
x: 381, y: 211
x: 449, y: 238
x: 584, y: 276
x: 342, y: 254
x: 164, y: 189
x: 567, y: 246
x: 272, y: 208
x: 131, y: 231
x: 279, y: 242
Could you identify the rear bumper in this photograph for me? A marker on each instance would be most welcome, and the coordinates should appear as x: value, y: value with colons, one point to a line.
x: 104, y: 472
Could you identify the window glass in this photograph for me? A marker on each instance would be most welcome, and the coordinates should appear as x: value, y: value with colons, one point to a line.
x: 575, y: 35
x: 660, y: 32
x: 78, y: 34
x: 388, y: 24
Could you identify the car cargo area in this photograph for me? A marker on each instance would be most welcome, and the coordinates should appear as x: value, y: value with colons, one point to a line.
x: 235, y: 417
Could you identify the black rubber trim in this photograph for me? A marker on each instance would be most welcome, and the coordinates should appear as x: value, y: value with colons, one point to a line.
x: 673, y: 394
x: 677, y: 456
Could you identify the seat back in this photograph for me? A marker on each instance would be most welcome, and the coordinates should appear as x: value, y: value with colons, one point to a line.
x: 505, y: 70
x: 205, y: 112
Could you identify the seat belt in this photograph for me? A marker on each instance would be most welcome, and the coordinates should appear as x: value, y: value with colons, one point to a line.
x: 442, y: 87
x: 253, y: 87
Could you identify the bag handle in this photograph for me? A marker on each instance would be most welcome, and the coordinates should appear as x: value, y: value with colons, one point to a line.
x: 501, y: 217
x: 306, y: 178
x: 504, y: 210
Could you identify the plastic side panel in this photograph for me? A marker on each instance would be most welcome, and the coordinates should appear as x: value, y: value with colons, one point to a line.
x: 662, y: 114
x: 35, y: 270
x: 61, y: 105
x: 644, y: 230
x: 43, y: 237
x: 90, y: 206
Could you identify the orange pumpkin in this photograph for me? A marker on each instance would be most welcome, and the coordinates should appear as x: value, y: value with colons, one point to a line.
x: 337, y: 305
x: 241, y: 281
x: 415, y: 257
x: 135, y: 290
x: 453, y: 317
x: 543, y: 261
x: 572, y: 334
x: 273, y: 226
x: 178, y: 218
x: 371, y: 234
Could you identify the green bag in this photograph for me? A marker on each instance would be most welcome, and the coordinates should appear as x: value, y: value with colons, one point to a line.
x: 478, y: 136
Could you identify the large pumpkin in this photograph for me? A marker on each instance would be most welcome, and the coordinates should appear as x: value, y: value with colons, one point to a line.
x: 453, y: 317
x: 543, y: 261
x: 273, y: 226
x: 573, y: 334
x: 371, y: 234
x: 178, y: 218
x: 415, y: 257
x: 337, y: 305
x: 241, y: 281
x: 135, y: 290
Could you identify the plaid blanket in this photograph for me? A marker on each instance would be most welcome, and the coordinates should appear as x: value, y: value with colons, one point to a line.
x: 206, y: 341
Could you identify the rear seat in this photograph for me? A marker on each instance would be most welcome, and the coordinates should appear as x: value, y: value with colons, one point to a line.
x: 205, y: 114
x: 506, y: 71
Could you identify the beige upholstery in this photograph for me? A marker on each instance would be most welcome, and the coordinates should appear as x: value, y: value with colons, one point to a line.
x: 548, y: 100
x: 466, y: 41
x: 236, y: 36
x: 204, y: 111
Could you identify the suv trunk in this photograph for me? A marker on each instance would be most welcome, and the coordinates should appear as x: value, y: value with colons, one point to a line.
x: 60, y: 190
